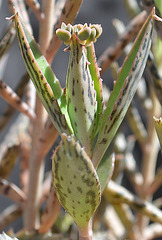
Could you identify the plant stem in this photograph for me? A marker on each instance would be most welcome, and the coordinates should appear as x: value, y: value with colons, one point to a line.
x: 150, y: 151
x: 36, y: 164
x: 86, y: 233
x: 46, y: 26
x: 51, y: 211
x: 151, y: 147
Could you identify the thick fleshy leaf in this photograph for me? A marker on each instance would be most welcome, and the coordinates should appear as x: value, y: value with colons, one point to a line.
x: 105, y: 170
x: 76, y: 181
x: 80, y: 95
x: 94, y: 71
x: 124, y: 89
x: 47, y: 85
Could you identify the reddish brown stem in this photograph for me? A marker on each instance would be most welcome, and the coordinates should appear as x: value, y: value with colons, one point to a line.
x: 86, y: 232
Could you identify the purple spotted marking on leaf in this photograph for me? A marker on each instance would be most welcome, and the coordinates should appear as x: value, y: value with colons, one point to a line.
x: 124, y: 89
x: 80, y: 95
x: 75, y: 181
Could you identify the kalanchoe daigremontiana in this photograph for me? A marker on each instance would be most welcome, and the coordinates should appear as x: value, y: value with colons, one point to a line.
x: 81, y: 99
x: 78, y: 110
x: 76, y: 183
x: 85, y: 34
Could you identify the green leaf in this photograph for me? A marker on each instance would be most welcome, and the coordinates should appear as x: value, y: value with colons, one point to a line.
x: 159, y: 6
x: 75, y: 181
x: 84, y: 33
x: 124, y: 89
x: 80, y: 95
x: 94, y: 71
x: 105, y: 170
x: 64, y: 35
x: 47, y: 85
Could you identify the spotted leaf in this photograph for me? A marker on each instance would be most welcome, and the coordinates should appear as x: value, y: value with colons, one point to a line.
x: 80, y: 95
x: 46, y: 83
x: 124, y: 89
x: 75, y: 181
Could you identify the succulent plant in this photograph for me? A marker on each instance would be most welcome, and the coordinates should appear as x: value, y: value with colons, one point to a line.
x: 82, y: 165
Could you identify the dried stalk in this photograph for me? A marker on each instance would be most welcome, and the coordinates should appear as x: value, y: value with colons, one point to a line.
x: 150, y: 151
x: 51, y: 211
x: 115, y: 193
x: 9, y: 215
x: 12, y: 192
x: 11, y: 97
x: 35, y: 6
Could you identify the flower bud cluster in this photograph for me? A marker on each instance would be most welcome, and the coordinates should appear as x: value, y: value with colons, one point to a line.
x: 85, y: 34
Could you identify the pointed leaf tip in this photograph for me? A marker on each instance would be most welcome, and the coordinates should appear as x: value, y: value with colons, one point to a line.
x: 124, y: 89
x: 47, y: 85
